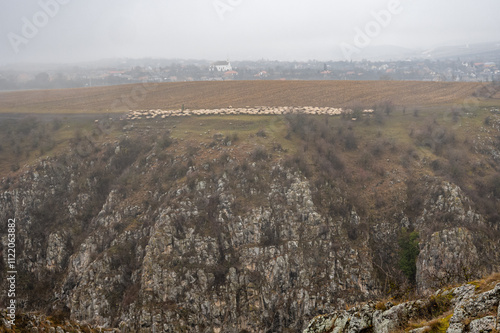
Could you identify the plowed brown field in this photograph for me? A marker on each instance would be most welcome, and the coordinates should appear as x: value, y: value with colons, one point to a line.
x: 235, y: 93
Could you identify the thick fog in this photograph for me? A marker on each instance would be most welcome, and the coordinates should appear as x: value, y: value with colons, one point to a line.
x: 77, y: 30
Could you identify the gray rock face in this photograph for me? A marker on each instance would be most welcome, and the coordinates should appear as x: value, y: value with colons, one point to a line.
x: 448, y: 257
x: 476, y: 306
x: 272, y: 266
x: 56, y: 251
x: 485, y: 324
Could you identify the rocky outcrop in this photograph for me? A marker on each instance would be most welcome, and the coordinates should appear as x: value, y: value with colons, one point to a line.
x: 257, y: 266
x: 448, y: 257
x: 486, y: 140
x: 472, y: 311
x: 451, y: 254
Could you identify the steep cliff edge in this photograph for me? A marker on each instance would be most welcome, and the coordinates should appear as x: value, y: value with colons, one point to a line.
x: 176, y: 227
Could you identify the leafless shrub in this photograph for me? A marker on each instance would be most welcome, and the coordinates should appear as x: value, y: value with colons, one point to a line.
x: 270, y: 235
x: 278, y: 148
x: 386, y: 107
x: 350, y: 141
x: 259, y: 154
x: 261, y: 134
x: 434, y: 136
x: 298, y: 162
x: 176, y: 171
x: 165, y: 141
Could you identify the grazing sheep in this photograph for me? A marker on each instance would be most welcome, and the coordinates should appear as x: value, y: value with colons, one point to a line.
x: 262, y: 110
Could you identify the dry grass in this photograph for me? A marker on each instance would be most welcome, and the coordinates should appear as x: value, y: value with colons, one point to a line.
x: 381, y: 305
x: 487, y: 283
x: 237, y: 94
x: 436, y: 325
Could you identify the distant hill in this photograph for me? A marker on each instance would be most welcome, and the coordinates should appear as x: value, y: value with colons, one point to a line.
x: 466, y: 52
x: 482, y: 51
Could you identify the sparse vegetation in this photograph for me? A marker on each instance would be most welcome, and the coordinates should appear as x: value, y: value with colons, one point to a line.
x: 261, y: 134
x: 165, y: 141
x: 487, y: 283
x: 259, y: 154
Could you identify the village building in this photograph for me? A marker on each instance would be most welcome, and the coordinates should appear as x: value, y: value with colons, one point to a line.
x: 221, y: 66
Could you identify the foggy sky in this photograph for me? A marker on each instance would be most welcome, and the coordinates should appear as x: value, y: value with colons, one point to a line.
x: 84, y: 30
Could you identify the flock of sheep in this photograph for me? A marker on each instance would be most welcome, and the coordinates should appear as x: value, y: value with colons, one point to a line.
x: 151, y: 114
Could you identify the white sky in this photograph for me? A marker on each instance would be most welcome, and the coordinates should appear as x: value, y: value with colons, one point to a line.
x: 250, y: 29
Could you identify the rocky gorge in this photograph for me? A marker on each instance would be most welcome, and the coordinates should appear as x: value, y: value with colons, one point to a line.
x: 149, y: 229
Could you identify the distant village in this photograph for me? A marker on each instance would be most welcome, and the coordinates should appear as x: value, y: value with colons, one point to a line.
x: 114, y: 72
